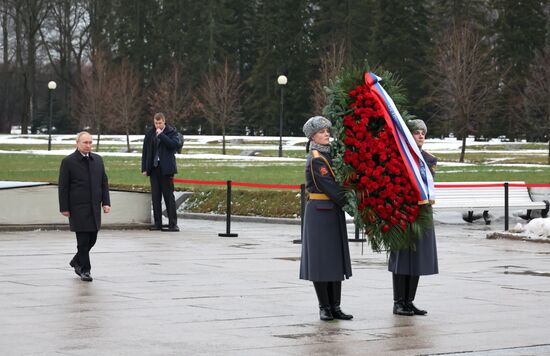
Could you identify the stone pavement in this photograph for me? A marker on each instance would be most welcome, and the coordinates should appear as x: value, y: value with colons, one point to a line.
x: 194, y: 293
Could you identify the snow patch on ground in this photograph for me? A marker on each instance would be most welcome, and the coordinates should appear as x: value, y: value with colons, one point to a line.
x: 538, y: 228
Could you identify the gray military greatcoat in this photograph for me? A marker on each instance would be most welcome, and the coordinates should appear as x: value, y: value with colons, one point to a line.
x: 325, y: 251
x: 422, y: 260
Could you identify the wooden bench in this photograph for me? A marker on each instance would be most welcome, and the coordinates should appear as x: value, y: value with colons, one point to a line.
x: 449, y: 196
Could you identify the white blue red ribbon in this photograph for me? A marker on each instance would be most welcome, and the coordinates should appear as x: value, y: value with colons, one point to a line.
x: 419, y: 174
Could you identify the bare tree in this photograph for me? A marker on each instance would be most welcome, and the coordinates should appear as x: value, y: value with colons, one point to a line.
x: 171, y: 97
x: 8, y: 86
x: 93, y: 102
x: 536, y: 97
x: 464, y: 88
x: 331, y: 64
x: 65, y: 36
x: 5, y: 32
x: 219, y: 98
x: 30, y: 14
x: 124, y: 100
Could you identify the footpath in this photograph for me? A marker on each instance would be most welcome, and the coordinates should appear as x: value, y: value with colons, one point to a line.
x: 195, y: 293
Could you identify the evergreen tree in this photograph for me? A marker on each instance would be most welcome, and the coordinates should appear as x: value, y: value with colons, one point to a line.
x: 519, y: 30
x: 400, y: 43
x: 347, y: 23
x: 283, y: 47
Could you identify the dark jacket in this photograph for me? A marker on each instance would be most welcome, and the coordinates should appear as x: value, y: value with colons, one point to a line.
x: 325, y: 250
x: 166, y: 143
x: 422, y: 260
x: 83, y: 189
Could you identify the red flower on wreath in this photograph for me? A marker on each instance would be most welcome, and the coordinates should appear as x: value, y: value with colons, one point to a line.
x: 386, y: 198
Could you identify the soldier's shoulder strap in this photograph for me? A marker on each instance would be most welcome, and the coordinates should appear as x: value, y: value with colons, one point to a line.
x: 317, y: 154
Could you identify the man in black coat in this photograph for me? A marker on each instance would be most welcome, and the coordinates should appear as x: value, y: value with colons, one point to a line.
x: 83, y: 192
x: 158, y: 161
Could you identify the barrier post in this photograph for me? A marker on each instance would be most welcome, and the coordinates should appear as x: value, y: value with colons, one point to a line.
x: 302, y: 210
x: 357, y: 238
x: 506, y: 212
x: 228, y: 214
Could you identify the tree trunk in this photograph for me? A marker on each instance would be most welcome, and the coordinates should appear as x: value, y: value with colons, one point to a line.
x: 98, y: 139
x: 5, y: 37
x: 463, y: 150
x: 223, y: 140
x: 127, y: 140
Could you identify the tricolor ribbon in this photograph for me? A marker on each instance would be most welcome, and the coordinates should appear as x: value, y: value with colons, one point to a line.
x: 419, y: 174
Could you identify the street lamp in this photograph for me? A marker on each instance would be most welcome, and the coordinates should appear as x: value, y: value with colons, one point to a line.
x: 281, y: 80
x: 51, y: 87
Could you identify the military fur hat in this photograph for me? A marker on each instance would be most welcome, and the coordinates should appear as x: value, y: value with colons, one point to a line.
x: 417, y: 125
x: 315, y: 124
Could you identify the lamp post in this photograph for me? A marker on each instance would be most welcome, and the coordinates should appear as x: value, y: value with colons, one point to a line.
x: 51, y: 87
x: 281, y: 80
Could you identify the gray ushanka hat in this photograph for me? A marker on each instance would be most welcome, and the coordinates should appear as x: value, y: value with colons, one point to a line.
x: 315, y: 124
x: 417, y: 125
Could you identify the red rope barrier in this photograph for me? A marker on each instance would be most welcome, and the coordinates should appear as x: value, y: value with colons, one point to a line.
x: 269, y: 186
x: 477, y: 185
x: 288, y: 186
x: 491, y: 185
x: 240, y: 184
x: 529, y: 185
x: 192, y: 181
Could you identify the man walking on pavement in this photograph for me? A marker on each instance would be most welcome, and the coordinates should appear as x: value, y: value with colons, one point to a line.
x: 158, y: 161
x: 83, y: 192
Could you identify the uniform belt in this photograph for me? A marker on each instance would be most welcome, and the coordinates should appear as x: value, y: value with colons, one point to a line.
x: 318, y: 196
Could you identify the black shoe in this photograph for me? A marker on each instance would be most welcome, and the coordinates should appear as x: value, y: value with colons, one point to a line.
x: 171, y: 229
x: 155, y: 228
x: 325, y: 314
x: 400, y: 308
x: 337, y: 313
x: 85, y: 276
x: 77, y: 268
x: 415, y: 310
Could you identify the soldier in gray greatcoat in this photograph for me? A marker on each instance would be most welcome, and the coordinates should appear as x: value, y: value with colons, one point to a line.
x: 325, y: 253
x: 409, y: 264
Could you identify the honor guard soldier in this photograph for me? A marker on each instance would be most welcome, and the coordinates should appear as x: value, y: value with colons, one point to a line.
x: 325, y: 253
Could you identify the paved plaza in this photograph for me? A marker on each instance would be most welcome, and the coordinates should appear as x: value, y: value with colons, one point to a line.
x: 195, y: 293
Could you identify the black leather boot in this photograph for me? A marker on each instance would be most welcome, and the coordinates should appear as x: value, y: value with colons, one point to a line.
x: 400, y: 308
x: 335, y: 296
x: 412, y: 285
x: 399, y: 293
x: 325, y: 313
x: 321, y: 289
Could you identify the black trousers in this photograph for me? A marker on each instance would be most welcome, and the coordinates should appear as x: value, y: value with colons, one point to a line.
x: 328, y: 293
x: 404, y: 287
x: 84, y: 243
x: 163, y: 186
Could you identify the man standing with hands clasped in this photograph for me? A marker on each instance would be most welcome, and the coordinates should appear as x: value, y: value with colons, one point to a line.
x: 158, y: 161
x: 83, y: 192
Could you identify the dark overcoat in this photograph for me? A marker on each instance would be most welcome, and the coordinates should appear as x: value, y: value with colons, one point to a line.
x: 422, y: 260
x: 325, y: 250
x: 166, y: 143
x: 83, y: 190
